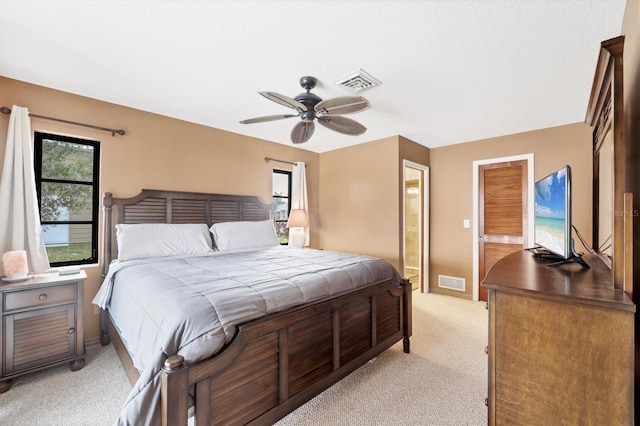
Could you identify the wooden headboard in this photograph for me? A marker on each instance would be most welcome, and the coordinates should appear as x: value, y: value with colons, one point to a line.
x: 158, y: 206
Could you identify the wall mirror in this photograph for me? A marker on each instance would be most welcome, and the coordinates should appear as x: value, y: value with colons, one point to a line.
x: 603, y: 156
x: 604, y: 114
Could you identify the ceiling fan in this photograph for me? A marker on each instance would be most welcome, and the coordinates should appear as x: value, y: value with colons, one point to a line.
x: 310, y: 107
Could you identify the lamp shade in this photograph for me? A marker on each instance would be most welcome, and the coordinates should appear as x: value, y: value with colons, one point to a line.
x: 298, y: 219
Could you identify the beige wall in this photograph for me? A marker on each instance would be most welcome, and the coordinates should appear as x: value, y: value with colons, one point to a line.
x: 409, y: 150
x: 158, y: 153
x: 452, y: 190
x: 361, y: 197
x: 358, y: 199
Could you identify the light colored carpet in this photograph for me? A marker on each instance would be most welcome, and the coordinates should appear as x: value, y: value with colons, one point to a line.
x: 59, y: 396
x: 443, y: 381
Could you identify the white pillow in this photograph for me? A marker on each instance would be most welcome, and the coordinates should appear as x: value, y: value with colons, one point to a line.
x: 149, y: 240
x: 244, y: 235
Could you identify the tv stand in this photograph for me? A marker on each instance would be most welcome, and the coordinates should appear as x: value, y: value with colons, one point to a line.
x: 542, y: 253
x: 576, y: 258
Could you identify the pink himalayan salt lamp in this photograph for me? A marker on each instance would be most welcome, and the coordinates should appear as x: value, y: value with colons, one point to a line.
x: 14, y: 264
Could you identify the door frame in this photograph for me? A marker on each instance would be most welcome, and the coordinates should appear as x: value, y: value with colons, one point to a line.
x: 476, y: 209
x: 425, y: 220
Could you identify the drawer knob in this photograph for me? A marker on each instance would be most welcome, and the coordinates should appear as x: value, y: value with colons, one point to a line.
x: 486, y: 349
x: 486, y: 402
x: 72, y: 330
x: 42, y: 296
x: 486, y: 306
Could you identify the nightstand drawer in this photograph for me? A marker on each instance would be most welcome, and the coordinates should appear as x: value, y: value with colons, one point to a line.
x: 40, y: 297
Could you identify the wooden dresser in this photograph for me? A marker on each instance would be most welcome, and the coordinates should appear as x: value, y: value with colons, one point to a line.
x: 42, y: 325
x: 561, y: 344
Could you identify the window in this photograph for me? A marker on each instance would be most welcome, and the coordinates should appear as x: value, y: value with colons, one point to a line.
x: 67, y: 171
x: 281, y: 203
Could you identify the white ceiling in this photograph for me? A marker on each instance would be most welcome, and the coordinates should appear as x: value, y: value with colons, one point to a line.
x: 451, y: 71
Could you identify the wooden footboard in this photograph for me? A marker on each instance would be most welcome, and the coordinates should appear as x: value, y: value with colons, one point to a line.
x: 279, y: 362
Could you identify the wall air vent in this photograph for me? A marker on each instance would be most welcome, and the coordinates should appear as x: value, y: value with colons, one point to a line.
x: 452, y: 283
x: 359, y: 81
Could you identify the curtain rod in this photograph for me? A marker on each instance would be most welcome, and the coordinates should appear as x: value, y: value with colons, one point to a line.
x: 267, y: 159
x: 113, y: 132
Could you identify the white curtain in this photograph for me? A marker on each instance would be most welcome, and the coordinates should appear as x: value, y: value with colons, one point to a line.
x: 19, y: 215
x: 299, y: 195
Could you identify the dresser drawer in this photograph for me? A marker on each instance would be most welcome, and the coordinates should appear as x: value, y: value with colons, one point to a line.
x: 40, y: 297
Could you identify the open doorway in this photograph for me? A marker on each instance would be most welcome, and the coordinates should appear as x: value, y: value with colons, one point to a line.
x: 415, y: 223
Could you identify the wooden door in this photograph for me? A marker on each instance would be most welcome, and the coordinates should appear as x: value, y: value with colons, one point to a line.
x: 502, y: 213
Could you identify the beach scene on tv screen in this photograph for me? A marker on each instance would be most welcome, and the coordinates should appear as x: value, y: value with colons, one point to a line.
x: 550, y: 214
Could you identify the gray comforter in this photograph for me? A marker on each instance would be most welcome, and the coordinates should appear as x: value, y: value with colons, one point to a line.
x: 191, y: 305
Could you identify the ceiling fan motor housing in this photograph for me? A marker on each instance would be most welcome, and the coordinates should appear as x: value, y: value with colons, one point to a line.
x: 309, y: 100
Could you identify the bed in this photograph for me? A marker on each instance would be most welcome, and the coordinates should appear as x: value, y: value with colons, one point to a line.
x: 266, y: 366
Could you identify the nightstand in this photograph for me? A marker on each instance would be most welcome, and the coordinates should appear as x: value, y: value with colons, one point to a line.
x: 42, y: 325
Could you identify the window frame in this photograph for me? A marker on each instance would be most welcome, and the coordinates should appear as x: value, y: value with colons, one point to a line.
x: 289, y: 174
x: 39, y: 137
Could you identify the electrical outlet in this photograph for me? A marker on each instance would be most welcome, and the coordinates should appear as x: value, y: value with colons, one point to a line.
x: 466, y: 223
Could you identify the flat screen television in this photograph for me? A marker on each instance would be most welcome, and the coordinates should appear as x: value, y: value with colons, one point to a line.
x: 553, y: 213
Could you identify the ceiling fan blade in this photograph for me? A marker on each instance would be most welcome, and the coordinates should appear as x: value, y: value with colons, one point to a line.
x: 343, y: 105
x: 342, y: 124
x: 284, y: 100
x: 302, y: 132
x: 267, y: 118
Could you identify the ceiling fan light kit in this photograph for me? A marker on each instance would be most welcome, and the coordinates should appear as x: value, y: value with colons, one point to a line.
x: 311, y: 107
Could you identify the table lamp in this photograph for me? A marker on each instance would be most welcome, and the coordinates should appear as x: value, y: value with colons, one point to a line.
x: 297, y: 219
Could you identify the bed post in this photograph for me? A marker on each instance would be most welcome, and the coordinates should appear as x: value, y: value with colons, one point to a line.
x: 107, y: 203
x: 406, y: 314
x: 174, y: 393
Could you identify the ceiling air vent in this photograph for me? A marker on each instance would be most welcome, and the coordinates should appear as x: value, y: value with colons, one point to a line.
x: 358, y: 81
